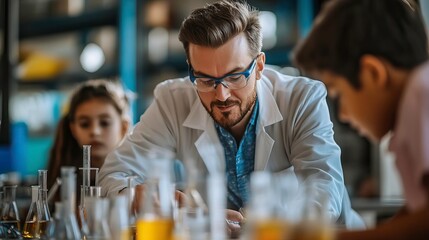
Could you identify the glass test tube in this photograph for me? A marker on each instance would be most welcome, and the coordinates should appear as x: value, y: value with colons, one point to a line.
x: 86, y: 164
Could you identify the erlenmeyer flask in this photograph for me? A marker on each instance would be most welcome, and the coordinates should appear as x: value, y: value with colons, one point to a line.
x: 9, y: 213
x: 31, y: 225
x: 45, y: 215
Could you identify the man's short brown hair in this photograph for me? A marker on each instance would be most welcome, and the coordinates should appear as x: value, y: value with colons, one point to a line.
x: 216, y: 23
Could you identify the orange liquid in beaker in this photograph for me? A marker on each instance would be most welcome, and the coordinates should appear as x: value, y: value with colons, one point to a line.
x: 270, y: 230
x: 154, y: 229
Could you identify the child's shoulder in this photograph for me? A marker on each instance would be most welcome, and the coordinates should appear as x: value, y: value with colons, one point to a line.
x: 418, y: 85
x: 420, y: 76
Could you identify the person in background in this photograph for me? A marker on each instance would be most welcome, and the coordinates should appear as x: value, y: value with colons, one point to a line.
x: 98, y: 115
x: 233, y: 114
x: 373, y: 58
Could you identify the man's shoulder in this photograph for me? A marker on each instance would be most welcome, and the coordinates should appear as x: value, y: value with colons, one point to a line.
x: 288, y: 84
x: 170, y: 86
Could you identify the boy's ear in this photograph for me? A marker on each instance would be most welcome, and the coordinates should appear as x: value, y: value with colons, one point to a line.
x: 373, y: 71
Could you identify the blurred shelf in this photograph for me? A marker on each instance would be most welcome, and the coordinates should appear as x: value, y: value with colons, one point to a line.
x: 68, y: 79
x: 61, y: 24
x: 279, y: 56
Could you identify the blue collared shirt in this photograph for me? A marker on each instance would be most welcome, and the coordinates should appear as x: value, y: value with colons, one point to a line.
x: 240, y: 160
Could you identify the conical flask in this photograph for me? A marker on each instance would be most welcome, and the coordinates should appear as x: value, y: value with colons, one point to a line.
x: 9, y: 214
x: 31, y: 225
x: 45, y: 215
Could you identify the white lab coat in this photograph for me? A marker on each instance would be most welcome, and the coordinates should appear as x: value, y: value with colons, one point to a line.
x: 293, y: 135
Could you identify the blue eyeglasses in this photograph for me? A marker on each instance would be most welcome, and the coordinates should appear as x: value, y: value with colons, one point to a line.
x: 232, y: 81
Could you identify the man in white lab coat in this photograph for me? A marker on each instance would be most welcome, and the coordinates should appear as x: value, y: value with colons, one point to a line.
x: 232, y: 114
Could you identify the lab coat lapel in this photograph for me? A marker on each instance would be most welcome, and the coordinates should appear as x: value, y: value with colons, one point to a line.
x: 269, y: 114
x: 208, y: 144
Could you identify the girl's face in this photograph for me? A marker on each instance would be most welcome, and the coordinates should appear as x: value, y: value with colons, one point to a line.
x: 98, y: 123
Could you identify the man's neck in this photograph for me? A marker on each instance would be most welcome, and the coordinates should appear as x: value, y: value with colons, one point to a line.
x: 237, y: 131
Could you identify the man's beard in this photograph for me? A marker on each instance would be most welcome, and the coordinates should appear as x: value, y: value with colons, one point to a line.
x: 225, y: 121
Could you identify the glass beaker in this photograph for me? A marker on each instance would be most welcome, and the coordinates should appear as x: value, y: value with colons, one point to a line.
x: 216, y: 187
x: 9, y: 214
x: 31, y: 225
x: 96, y: 218
x: 196, y: 217
x: 155, y: 221
x: 314, y: 223
x: 95, y: 191
x: 263, y: 221
x: 119, y: 219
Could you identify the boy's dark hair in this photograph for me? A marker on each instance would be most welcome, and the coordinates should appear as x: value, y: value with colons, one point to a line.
x: 346, y: 30
x: 216, y: 23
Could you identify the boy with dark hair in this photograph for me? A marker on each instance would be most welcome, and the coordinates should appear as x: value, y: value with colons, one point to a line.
x: 372, y: 56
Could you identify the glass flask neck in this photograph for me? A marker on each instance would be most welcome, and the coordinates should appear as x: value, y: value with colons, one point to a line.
x: 9, y: 193
x: 43, y: 176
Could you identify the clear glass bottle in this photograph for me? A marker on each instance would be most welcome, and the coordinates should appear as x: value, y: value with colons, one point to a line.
x: 31, y: 225
x: 9, y: 213
x: 45, y: 215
